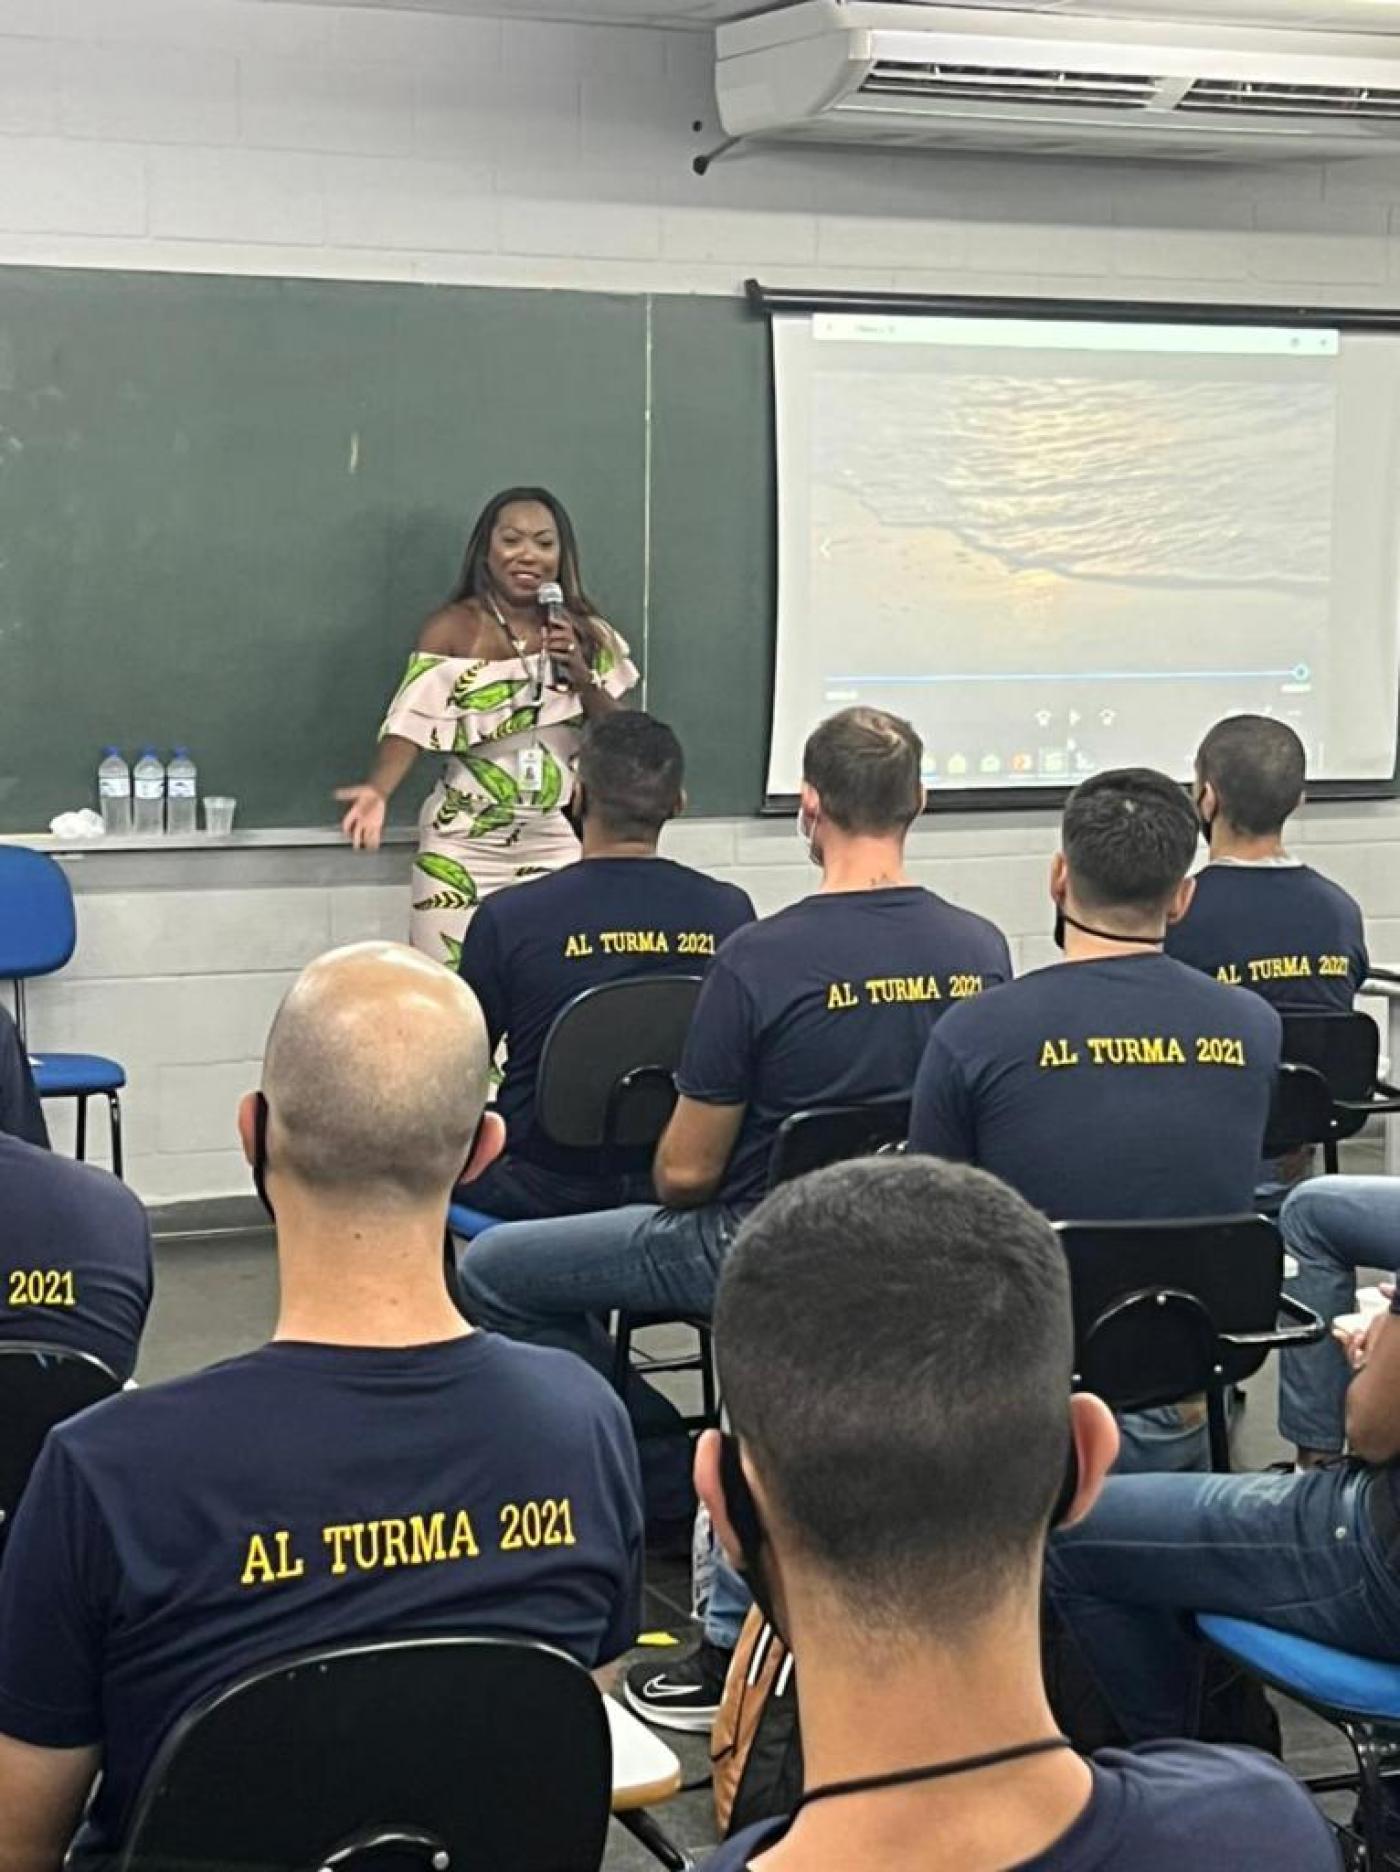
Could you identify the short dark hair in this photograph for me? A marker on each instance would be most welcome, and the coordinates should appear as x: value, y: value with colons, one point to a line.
x: 1129, y: 837
x: 1257, y: 766
x: 632, y: 771
x: 895, y: 1348
x: 867, y: 767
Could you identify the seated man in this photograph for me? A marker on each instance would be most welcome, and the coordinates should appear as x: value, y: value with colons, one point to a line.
x: 1118, y: 1083
x: 1316, y: 1554
x: 21, y: 1114
x: 1260, y: 919
x: 894, y: 1344
x: 621, y: 912
x: 828, y: 1002
x: 1333, y: 1227
x: 75, y: 1256
x: 352, y: 1479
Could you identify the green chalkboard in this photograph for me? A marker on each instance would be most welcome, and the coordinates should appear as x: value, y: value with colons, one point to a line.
x: 227, y: 504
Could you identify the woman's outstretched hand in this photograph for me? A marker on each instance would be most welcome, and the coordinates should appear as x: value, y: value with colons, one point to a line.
x: 363, y: 823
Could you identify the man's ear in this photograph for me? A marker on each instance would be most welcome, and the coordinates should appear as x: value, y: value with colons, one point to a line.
x: 711, y: 1492
x: 1059, y: 879
x: 1095, y: 1432
x: 1208, y: 803
x: 1181, y: 901
x: 490, y: 1142
x: 809, y: 802
x: 682, y: 805
x: 248, y: 1126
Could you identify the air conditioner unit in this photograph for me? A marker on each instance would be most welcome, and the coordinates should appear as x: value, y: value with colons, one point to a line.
x: 930, y: 76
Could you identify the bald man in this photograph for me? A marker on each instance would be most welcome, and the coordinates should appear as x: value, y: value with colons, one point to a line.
x: 377, y: 1468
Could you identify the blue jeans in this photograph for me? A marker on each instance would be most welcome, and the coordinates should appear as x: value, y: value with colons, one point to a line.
x: 1333, y: 1226
x: 729, y: 1604
x: 556, y: 1282
x: 1294, y: 1551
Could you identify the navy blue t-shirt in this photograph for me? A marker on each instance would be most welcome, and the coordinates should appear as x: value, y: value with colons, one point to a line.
x: 171, y: 1539
x: 1163, y: 1807
x: 830, y: 1002
x: 1129, y: 1087
x: 530, y: 949
x: 1284, y: 931
x: 75, y: 1256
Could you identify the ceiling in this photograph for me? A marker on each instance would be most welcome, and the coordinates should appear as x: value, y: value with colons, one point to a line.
x: 1375, y: 16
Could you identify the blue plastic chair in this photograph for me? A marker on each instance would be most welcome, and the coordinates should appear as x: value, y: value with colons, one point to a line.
x: 38, y: 934
x: 469, y: 1223
x: 1360, y: 1696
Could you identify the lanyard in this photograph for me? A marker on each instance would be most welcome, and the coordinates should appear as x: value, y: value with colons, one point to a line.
x: 902, y: 1777
x: 518, y: 645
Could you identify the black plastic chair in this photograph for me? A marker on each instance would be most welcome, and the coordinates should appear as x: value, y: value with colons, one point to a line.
x: 40, y: 1385
x: 400, y: 1755
x: 607, y: 1084
x: 1166, y: 1310
x: 1345, y: 1049
x: 829, y: 1134
x: 1301, y: 1111
x: 608, y: 1065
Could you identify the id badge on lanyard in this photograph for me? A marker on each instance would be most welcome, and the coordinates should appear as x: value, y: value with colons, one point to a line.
x: 532, y: 771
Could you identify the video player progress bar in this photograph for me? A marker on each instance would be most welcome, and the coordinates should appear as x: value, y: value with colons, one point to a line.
x: 1300, y: 672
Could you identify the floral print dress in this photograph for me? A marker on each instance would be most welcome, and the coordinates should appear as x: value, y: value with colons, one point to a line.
x: 496, y: 815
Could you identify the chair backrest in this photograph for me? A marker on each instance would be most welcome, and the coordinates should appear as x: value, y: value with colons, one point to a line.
x: 607, y: 1068
x: 1301, y: 1110
x: 1345, y: 1049
x: 1151, y: 1298
x: 40, y: 1385
x: 38, y: 930
x: 828, y: 1134
x: 387, y: 1754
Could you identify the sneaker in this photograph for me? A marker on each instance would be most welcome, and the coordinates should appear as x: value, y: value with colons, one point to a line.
x: 683, y: 1695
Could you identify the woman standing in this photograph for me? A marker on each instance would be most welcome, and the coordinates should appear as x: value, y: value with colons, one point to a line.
x: 504, y: 692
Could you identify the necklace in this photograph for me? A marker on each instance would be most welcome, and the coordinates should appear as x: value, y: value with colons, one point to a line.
x: 536, y: 676
x: 938, y: 1771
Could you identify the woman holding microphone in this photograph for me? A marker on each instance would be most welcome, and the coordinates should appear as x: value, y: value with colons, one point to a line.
x: 502, y: 683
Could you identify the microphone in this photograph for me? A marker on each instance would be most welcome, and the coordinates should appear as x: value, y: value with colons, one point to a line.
x: 550, y: 598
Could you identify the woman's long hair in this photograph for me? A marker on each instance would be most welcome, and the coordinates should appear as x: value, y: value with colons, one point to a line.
x: 474, y: 581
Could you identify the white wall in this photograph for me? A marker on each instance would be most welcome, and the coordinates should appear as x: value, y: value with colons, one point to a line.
x: 241, y: 136
x: 238, y: 135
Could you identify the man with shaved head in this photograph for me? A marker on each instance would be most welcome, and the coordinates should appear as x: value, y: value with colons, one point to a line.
x: 378, y: 1468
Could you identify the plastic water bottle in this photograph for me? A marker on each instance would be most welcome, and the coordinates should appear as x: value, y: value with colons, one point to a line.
x: 181, y: 793
x: 150, y: 793
x: 114, y: 793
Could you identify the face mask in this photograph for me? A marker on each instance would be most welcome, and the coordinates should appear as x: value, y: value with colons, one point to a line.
x: 1062, y: 917
x: 260, y: 1152
x: 805, y: 835
x: 748, y: 1528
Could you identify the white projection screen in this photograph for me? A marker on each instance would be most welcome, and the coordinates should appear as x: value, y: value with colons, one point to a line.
x: 1061, y: 544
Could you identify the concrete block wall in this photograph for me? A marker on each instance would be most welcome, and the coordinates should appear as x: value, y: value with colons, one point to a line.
x: 249, y: 136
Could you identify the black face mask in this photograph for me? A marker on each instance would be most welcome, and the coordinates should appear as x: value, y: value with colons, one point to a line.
x: 1062, y: 916
x: 747, y: 1524
x: 744, y: 1518
x: 260, y: 1153
x: 260, y: 1150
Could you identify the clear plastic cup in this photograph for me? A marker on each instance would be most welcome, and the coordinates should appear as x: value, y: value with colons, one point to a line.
x: 218, y: 815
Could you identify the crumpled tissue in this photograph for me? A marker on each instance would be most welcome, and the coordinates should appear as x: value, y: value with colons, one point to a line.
x: 85, y: 824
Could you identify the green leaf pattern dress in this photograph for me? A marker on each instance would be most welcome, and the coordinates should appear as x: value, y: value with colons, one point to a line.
x: 481, y: 827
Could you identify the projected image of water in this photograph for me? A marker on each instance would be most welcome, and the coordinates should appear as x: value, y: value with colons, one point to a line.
x: 1179, y: 484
